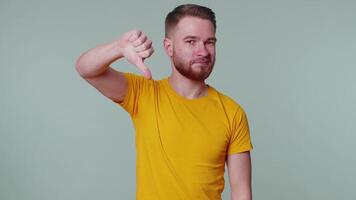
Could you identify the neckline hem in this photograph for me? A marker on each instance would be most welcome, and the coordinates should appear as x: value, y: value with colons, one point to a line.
x: 174, y: 93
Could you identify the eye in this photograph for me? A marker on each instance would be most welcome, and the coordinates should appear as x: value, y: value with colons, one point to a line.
x: 190, y: 42
x: 211, y: 42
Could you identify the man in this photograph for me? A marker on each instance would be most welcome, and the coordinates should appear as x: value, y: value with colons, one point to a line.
x: 185, y: 129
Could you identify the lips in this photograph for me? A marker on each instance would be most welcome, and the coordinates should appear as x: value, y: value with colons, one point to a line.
x: 202, y: 61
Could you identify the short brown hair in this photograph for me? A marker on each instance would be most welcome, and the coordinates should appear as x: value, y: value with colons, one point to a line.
x: 184, y: 10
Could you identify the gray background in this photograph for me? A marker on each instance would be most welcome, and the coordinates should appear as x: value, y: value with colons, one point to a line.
x: 290, y: 64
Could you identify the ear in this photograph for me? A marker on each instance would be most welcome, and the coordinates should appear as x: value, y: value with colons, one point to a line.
x: 168, y: 46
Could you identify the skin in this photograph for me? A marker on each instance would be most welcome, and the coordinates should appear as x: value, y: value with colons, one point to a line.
x: 191, y: 49
x: 239, y: 171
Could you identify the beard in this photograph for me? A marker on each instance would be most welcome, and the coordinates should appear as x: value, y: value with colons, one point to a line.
x: 186, y: 68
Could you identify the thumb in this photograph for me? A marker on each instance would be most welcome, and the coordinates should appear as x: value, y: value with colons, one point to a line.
x: 145, y: 70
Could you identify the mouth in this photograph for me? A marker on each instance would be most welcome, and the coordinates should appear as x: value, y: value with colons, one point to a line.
x: 201, y: 61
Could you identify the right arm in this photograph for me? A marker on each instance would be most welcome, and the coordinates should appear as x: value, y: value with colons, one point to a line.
x: 94, y: 64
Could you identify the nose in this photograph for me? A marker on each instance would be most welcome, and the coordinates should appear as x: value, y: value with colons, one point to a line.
x: 202, y: 50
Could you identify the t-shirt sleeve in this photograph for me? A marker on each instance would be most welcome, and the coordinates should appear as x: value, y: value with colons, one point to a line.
x: 135, y: 86
x: 240, y: 140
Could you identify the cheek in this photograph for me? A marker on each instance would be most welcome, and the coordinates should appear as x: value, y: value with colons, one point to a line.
x: 183, y: 53
x: 211, y: 50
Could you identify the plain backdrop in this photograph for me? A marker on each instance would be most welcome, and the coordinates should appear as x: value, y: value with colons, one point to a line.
x: 290, y: 64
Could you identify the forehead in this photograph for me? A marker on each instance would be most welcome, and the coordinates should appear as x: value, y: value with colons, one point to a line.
x: 194, y: 26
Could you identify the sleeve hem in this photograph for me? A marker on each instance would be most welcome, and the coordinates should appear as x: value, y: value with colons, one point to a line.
x: 244, y: 148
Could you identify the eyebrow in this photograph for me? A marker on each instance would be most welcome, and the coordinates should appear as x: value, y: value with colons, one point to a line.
x: 195, y: 37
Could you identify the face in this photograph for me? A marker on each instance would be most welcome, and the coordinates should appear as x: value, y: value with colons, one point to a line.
x: 192, y: 48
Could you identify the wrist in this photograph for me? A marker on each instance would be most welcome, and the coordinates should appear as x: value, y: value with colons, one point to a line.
x: 117, y: 49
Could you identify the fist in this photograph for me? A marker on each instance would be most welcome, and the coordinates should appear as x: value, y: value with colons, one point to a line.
x: 136, y: 47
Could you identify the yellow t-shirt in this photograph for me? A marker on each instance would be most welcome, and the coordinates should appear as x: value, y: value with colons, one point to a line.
x: 182, y: 144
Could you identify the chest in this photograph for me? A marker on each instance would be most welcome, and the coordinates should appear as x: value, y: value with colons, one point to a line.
x: 196, y: 133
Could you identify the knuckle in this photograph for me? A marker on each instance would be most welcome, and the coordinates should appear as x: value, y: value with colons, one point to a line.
x: 142, y: 37
x: 144, y: 46
x: 136, y: 43
x: 145, y: 54
x: 138, y: 31
x: 149, y: 43
x: 142, y: 40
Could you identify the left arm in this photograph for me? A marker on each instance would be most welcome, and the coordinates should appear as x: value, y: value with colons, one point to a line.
x: 239, y: 170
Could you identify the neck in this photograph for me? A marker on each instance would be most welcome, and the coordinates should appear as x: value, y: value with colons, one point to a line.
x: 187, y: 88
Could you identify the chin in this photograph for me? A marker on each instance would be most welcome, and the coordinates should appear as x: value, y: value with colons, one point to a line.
x: 200, y: 76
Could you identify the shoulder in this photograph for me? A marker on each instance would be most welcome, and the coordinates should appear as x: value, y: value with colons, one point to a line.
x: 229, y: 103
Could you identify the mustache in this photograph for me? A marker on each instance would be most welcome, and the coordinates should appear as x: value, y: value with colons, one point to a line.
x: 202, y: 60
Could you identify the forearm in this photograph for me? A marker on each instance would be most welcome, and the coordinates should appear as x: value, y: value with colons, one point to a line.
x: 97, y: 60
x: 241, y: 194
x: 241, y: 197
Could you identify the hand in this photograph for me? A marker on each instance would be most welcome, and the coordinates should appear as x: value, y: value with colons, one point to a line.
x: 136, y: 47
